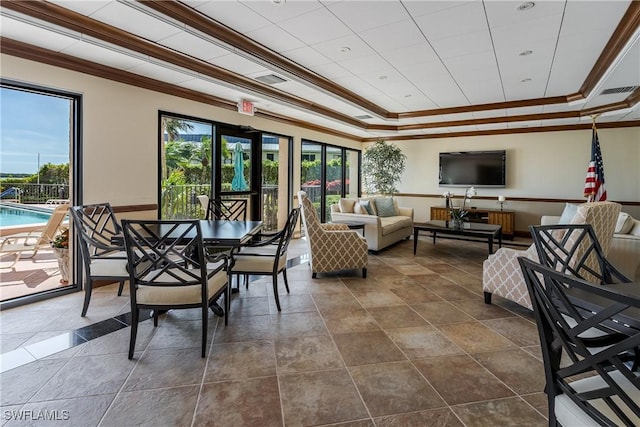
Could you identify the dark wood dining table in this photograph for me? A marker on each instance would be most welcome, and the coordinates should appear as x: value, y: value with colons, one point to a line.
x: 224, y: 234
x: 626, y: 322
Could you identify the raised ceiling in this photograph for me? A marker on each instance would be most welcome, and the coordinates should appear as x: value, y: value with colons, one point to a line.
x: 362, y: 69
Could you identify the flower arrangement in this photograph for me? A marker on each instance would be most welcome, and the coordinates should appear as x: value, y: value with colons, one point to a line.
x: 458, y: 214
x: 61, y: 240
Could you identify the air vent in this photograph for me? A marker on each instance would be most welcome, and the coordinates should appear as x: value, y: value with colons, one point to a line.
x: 270, y: 79
x: 363, y: 117
x: 623, y: 89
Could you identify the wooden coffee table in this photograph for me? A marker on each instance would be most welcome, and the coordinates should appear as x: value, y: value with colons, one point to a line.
x: 470, y: 230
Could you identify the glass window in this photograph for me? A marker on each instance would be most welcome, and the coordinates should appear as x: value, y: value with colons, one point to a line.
x: 185, y: 166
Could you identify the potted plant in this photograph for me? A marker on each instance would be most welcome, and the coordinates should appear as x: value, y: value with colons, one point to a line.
x: 382, y: 167
x: 60, y: 245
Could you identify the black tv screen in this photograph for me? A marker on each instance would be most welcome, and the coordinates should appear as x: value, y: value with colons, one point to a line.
x: 477, y: 168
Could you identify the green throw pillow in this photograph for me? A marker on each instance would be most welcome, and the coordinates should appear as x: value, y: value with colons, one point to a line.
x: 385, y: 206
x: 367, y: 205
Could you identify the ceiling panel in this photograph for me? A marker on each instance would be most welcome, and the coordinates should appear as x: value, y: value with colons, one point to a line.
x: 453, y: 22
x: 278, y: 39
x: 134, y: 21
x: 365, y: 15
x: 104, y: 55
x: 312, y: 27
x: 233, y: 14
x: 238, y: 64
x: 278, y: 12
x: 193, y: 45
x: 56, y: 40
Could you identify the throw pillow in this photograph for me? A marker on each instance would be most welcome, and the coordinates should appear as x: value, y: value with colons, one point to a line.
x: 568, y: 213
x: 385, y: 207
x: 624, y: 223
x: 357, y: 208
x: 346, y: 205
x: 367, y: 205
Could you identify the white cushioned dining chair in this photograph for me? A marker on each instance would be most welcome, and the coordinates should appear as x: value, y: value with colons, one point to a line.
x: 593, y: 386
x: 169, y: 270
x: 101, y: 246
x: 332, y: 247
x: 267, y: 255
x: 501, y: 273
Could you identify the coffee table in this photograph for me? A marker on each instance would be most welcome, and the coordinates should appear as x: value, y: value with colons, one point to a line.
x: 470, y: 229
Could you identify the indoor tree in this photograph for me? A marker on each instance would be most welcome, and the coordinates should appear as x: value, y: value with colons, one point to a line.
x: 382, y: 167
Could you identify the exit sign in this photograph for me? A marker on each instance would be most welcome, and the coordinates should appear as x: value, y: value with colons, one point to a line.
x: 246, y: 107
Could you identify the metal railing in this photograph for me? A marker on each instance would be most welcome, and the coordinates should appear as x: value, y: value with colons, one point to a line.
x: 36, y: 193
x: 180, y: 202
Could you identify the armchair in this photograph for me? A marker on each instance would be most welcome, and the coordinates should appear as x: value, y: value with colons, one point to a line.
x: 332, y: 247
x: 501, y: 273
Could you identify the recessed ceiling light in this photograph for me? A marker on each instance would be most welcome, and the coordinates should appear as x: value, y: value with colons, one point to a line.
x: 526, y: 80
x: 344, y: 49
x: 408, y: 95
x: 278, y: 1
x: 526, y: 6
x: 382, y: 77
x: 525, y: 53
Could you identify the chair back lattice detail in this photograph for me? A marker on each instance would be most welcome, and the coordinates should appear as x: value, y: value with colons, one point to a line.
x: 228, y: 209
x: 574, y: 249
x: 97, y: 225
x: 101, y: 246
x: 596, y: 385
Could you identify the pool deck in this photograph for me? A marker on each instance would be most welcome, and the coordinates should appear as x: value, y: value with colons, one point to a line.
x: 28, y: 275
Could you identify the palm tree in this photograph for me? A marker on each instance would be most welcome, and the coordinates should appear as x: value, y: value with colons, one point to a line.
x: 172, y: 127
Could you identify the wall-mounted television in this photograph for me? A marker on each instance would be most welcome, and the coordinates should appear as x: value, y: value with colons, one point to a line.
x: 477, y: 168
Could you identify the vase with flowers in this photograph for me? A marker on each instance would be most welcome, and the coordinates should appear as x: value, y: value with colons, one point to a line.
x: 459, y: 213
x: 60, y: 245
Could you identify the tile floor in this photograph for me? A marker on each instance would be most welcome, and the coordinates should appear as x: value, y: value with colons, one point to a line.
x: 411, y: 345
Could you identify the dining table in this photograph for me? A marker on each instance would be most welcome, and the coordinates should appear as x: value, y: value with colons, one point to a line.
x: 219, y: 233
x: 626, y: 321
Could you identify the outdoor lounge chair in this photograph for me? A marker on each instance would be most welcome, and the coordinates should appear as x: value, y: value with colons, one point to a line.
x: 34, y: 240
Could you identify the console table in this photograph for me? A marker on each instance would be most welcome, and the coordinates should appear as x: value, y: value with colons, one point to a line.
x: 504, y: 218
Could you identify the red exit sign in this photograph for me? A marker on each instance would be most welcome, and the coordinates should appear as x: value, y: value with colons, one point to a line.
x: 246, y: 107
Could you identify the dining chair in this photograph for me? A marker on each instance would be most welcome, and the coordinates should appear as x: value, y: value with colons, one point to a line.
x: 574, y: 249
x: 101, y: 246
x: 168, y: 270
x: 229, y: 209
x: 267, y: 255
x: 592, y: 386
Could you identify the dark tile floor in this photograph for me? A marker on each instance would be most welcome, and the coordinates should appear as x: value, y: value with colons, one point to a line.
x: 411, y: 345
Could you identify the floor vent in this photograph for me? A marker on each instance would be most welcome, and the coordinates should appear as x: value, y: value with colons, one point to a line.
x: 270, y: 79
x: 623, y: 89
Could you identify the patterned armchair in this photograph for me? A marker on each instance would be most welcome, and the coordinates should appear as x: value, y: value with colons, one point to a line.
x: 332, y: 247
x: 501, y: 273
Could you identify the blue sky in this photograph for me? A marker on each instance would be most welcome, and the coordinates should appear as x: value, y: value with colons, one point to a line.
x: 32, y: 124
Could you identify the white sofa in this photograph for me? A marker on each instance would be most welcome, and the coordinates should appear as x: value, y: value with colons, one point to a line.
x: 380, y: 231
x: 624, y: 252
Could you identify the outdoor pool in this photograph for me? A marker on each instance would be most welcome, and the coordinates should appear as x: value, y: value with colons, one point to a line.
x: 14, y: 215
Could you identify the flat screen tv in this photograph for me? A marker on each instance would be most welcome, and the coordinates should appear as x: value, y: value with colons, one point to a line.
x: 477, y: 168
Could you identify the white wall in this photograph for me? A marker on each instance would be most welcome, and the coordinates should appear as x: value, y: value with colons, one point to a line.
x: 120, y: 136
x: 549, y: 165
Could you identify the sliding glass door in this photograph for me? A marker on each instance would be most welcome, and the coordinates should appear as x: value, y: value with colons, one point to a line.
x: 328, y: 173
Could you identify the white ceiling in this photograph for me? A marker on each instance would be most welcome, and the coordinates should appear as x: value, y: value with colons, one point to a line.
x: 402, y: 56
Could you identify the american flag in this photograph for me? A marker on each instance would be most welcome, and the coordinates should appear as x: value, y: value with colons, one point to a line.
x: 594, y: 184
